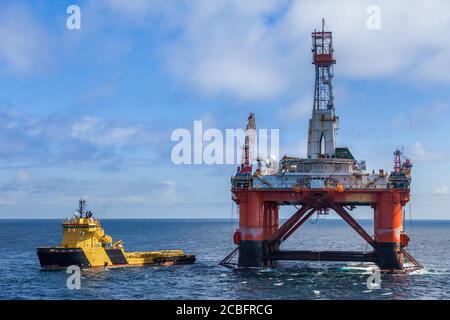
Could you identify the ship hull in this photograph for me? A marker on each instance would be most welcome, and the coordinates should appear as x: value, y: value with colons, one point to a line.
x: 51, y: 258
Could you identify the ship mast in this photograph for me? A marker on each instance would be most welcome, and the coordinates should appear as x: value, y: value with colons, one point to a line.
x: 81, y: 207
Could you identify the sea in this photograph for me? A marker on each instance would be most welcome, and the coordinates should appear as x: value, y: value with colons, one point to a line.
x: 211, y: 240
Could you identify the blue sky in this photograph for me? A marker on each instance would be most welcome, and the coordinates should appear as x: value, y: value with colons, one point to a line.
x: 89, y: 113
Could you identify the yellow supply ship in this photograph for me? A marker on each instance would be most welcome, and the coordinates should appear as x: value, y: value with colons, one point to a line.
x: 86, y: 245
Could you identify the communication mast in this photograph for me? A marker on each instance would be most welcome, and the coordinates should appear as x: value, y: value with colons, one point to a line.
x: 81, y: 207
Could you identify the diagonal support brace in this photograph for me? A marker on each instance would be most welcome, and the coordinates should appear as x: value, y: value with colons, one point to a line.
x: 288, y: 225
x: 298, y: 224
x: 352, y: 223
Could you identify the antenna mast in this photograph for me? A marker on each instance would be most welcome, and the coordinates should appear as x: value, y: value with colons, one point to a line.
x: 81, y: 207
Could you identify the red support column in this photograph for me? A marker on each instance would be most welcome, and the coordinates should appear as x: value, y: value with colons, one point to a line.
x: 267, y: 217
x: 252, y: 214
x: 388, y: 225
x: 270, y: 219
x: 270, y: 226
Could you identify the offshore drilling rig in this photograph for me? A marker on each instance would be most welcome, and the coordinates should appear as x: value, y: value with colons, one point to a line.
x: 328, y: 179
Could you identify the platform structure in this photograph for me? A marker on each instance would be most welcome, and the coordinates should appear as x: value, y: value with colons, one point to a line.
x: 329, y: 178
x: 259, y: 235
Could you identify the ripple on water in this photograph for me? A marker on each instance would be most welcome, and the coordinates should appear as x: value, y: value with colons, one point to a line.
x: 22, y: 278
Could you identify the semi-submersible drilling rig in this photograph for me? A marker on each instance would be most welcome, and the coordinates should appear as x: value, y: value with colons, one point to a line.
x: 329, y: 178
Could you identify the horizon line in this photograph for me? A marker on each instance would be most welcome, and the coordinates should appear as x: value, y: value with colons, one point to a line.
x: 211, y: 218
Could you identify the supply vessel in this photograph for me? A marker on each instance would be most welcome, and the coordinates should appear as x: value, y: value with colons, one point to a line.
x: 86, y: 245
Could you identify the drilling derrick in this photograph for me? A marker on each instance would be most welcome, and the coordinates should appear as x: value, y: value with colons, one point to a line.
x: 322, y: 48
x: 323, y: 123
x: 329, y: 178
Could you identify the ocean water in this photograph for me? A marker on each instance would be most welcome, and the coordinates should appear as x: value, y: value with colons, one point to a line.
x: 210, y: 241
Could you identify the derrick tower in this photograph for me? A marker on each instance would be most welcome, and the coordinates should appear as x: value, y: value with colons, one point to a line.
x: 323, y: 123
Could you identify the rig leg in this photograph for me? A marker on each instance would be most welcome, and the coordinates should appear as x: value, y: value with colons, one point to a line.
x: 251, y: 230
x: 258, y: 220
x: 388, y: 227
x: 389, y: 256
x: 250, y: 254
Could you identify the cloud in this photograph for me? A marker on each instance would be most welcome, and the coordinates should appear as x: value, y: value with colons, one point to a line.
x: 23, y: 176
x: 409, y: 43
x: 221, y: 47
x: 88, y: 141
x: 25, y: 182
x: 296, y: 149
x: 96, y: 130
x: 130, y: 6
x: 422, y: 154
x: 149, y: 194
x: 105, y: 190
x: 258, y: 50
x: 298, y: 109
x: 226, y: 48
x: 442, y: 190
x: 25, y: 46
x: 423, y: 116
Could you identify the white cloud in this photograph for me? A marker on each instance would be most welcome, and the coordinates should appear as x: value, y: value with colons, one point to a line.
x: 24, y: 44
x: 423, y: 116
x: 422, y: 154
x: 298, y: 149
x: 442, y: 190
x: 6, y: 202
x: 97, y: 131
x: 169, y: 192
x: 139, y: 194
x: 23, y: 176
x: 226, y: 48
x: 28, y: 140
x: 85, y: 125
x: 131, y: 6
x: 298, y: 109
x: 260, y: 49
x: 411, y: 39
x: 222, y: 47
x: 101, y: 190
x: 419, y: 152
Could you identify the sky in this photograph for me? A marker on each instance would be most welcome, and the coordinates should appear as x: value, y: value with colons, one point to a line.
x: 89, y: 113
